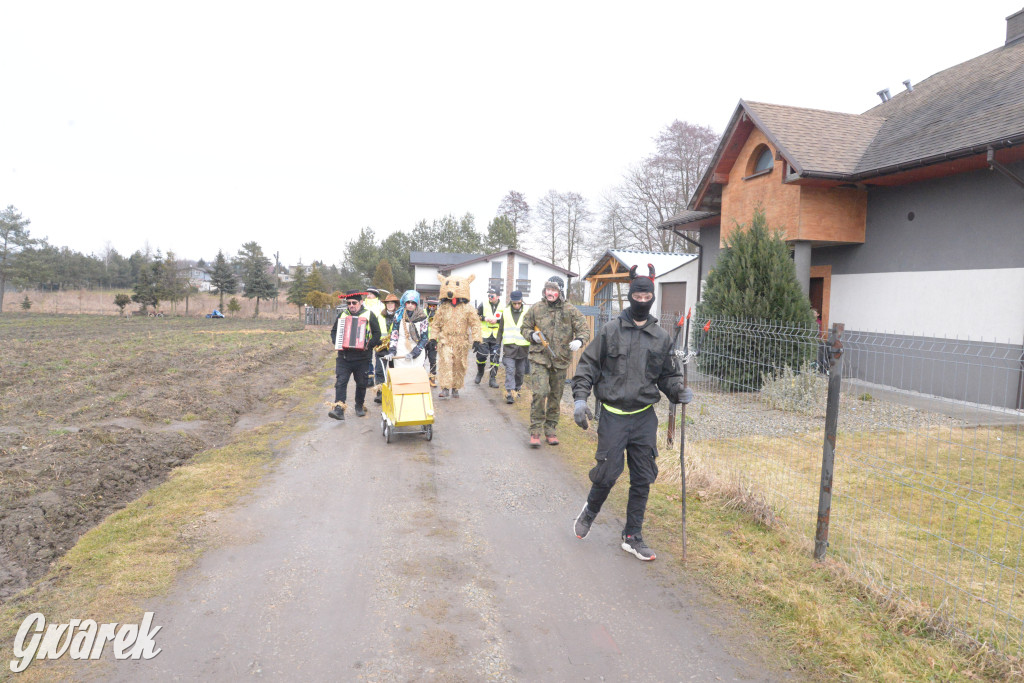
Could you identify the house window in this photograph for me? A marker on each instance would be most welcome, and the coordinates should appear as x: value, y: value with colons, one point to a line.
x: 524, y: 271
x: 495, y: 269
x: 762, y: 161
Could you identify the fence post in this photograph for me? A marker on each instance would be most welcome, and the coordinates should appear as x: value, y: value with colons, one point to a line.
x: 828, y: 449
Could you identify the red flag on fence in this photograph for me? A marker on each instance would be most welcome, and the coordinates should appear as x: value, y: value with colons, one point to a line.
x: 707, y: 326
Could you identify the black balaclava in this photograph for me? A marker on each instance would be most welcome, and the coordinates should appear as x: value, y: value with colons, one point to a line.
x: 640, y: 283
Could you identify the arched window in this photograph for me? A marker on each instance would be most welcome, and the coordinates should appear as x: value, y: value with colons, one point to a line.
x: 763, y: 159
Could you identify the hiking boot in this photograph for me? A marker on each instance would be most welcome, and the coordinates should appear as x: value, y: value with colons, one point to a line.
x: 433, y: 381
x: 443, y: 394
x: 552, y: 440
x: 583, y: 521
x: 377, y: 398
x: 534, y: 440
x: 634, y: 543
x: 508, y: 397
x: 337, y: 412
x: 455, y: 393
x: 493, y: 384
x: 360, y: 411
x: 479, y: 378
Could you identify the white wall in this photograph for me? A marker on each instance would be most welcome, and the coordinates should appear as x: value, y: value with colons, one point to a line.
x: 686, y: 273
x: 981, y: 304
x: 538, y: 275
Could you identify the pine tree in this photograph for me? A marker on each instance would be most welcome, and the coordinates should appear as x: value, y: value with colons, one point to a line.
x: 259, y: 284
x: 147, y: 288
x: 383, y: 278
x: 754, y: 279
x: 298, y: 289
x: 222, y: 278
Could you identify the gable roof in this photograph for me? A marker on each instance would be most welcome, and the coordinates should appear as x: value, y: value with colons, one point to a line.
x: 491, y: 257
x: 956, y: 113
x: 663, y: 261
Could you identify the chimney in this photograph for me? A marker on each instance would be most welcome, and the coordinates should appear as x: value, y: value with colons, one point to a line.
x: 1015, y: 27
x: 906, y: 84
x: 884, y: 94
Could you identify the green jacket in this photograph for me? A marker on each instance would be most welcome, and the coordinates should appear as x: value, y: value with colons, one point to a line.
x: 560, y: 323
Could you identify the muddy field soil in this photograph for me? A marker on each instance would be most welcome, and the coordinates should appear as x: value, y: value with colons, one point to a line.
x: 96, y: 410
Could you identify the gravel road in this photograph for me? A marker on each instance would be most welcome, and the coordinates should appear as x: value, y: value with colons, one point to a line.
x: 447, y: 560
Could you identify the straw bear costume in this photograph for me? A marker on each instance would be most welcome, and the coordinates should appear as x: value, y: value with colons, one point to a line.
x: 456, y: 327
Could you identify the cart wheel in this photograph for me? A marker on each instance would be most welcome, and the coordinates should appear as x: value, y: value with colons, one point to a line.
x: 383, y: 426
x: 387, y: 433
x: 430, y: 432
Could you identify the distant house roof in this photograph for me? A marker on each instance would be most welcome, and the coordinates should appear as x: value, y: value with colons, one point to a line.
x: 953, y: 114
x: 687, y: 218
x: 491, y: 257
x: 663, y: 261
x: 436, y: 258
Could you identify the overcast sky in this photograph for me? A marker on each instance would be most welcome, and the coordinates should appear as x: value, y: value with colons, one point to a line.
x: 197, y: 126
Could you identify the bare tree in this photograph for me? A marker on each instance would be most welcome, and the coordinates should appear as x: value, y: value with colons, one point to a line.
x: 548, y: 219
x: 515, y: 208
x: 659, y: 187
x: 576, y: 218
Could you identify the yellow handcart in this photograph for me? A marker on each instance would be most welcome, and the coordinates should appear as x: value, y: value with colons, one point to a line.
x: 406, y: 404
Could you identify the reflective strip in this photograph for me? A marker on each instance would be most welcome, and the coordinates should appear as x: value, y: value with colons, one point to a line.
x: 511, y: 334
x: 623, y: 412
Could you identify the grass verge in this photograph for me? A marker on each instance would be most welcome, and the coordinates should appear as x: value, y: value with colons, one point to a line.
x: 818, y: 617
x: 136, y: 553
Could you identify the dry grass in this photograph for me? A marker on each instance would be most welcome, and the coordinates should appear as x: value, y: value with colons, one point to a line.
x: 826, y: 620
x: 101, y: 302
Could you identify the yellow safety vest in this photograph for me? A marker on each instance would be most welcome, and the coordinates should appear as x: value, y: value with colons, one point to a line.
x: 511, y: 333
x: 489, y: 329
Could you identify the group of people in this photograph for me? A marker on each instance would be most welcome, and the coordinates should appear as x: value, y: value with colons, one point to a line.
x: 627, y: 367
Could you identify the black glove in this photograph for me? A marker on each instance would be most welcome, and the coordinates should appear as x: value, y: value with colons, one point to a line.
x: 477, y: 347
x: 582, y: 414
x: 684, y: 395
x: 415, y: 353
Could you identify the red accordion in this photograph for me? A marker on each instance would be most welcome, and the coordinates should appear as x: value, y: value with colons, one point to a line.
x: 351, y: 333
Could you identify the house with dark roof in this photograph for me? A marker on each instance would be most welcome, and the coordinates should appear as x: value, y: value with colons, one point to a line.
x: 921, y: 195
x: 908, y: 217
x: 504, y: 270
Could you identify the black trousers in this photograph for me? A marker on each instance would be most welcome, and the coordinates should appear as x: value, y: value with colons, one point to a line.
x: 490, y: 352
x: 343, y: 369
x: 432, y: 356
x: 636, y: 438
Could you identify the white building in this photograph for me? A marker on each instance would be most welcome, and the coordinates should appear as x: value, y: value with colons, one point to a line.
x: 504, y: 270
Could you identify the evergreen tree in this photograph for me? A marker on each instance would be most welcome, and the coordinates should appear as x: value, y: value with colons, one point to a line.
x: 259, y: 283
x: 122, y: 300
x: 501, y: 234
x: 754, y: 279
x: 14, y: 238
x: 222, y: 278
x: 383, y: 277
x: 147, y: 287
x: 298, y: 288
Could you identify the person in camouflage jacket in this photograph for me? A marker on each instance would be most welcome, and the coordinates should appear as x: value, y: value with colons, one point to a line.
x: 565, y: 331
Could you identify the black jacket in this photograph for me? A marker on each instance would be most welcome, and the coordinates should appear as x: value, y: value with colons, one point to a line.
x: 626, y: 365
x: 372, y: 341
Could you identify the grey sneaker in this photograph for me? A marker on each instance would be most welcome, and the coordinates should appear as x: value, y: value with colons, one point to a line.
x: 337, y: 412
x: 634, y: 543
x: 583, y: 521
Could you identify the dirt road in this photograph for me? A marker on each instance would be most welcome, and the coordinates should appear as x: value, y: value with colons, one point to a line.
x: 448, y: 560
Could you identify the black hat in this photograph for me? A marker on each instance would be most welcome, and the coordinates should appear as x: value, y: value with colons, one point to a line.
x: 372, y: 290
x: 516, y: 295
x: 354, y: 294
x: 431, y: 302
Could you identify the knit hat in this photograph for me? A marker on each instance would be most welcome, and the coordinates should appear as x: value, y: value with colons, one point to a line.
x: 555, y: 282
x: 641, y: 283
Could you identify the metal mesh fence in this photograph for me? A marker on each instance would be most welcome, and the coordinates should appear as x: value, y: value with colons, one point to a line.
x: 929, y: 465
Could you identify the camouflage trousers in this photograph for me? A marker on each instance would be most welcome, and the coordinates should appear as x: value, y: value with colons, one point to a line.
x: 547, y: 384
